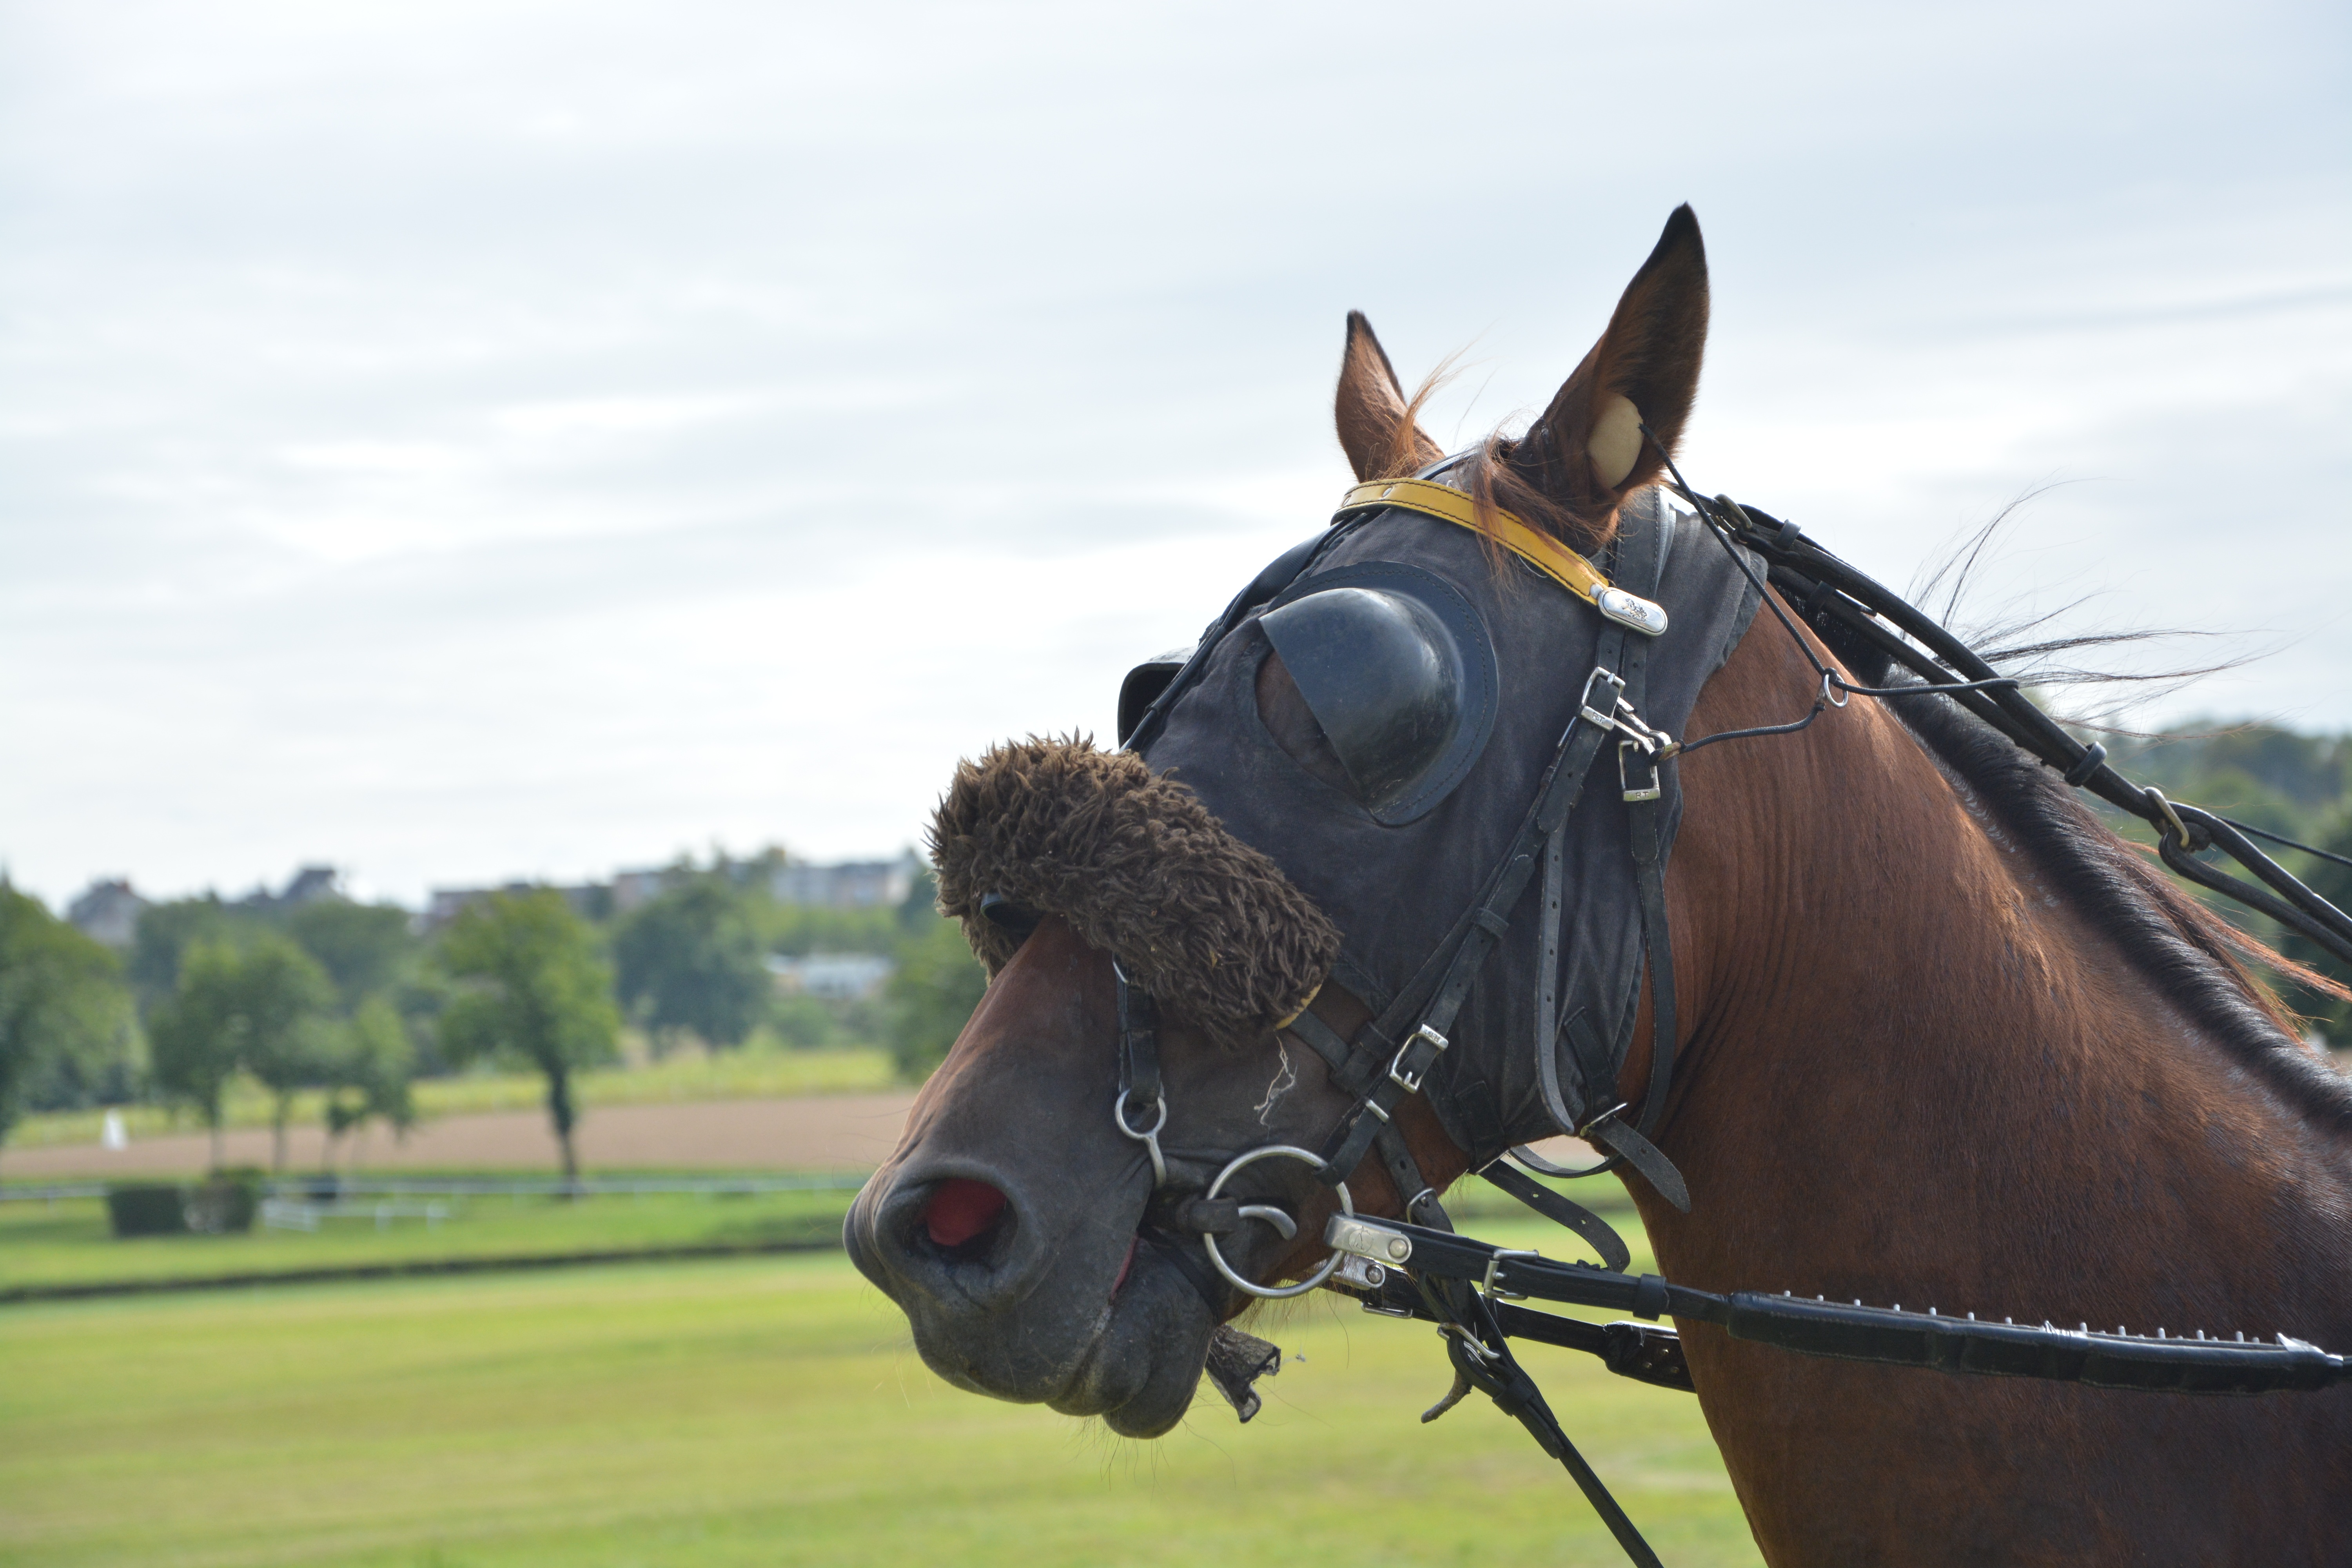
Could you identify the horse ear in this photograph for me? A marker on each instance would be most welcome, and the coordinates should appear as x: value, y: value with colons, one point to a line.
x: 1376, y: 426
x: 1588, y: 449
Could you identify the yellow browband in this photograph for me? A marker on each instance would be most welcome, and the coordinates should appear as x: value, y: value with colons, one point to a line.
x: 1537, y: 548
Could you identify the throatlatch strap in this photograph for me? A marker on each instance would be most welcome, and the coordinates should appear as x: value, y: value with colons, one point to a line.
x: 1596, y: 1070
x: 1597, y: 1232
x: 1649, y: 878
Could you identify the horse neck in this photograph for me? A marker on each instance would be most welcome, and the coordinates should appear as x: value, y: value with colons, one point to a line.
x: 1915, y: 1073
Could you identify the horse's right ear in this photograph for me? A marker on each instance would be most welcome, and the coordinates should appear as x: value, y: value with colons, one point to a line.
x: 1587, y: 452
x: 1376, y: 426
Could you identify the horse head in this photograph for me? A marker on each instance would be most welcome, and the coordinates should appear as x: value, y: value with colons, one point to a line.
x: 1196, y: 943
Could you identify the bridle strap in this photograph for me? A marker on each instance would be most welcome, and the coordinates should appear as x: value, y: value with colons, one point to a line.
x: 1413, y: 1190
x: 1138, y: 1047
x: 1141, y: 1109
x: 1445, y: 978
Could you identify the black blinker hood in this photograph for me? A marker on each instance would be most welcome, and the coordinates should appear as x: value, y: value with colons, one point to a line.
x: 1395, y: 886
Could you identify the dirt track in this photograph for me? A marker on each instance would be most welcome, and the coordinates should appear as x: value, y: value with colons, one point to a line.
x: 819, y: 1133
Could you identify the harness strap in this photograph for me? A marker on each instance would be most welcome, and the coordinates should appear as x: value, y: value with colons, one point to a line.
x: 1482, y: 1358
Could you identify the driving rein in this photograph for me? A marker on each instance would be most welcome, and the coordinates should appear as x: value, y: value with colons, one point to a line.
x: 1418, y: 1267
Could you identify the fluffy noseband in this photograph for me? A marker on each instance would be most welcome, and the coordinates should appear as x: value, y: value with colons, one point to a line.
x: 1135, y: 863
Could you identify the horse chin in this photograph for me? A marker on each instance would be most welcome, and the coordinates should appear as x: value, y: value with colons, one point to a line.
x: 1143, y: 1368
x: 1129, y: 1344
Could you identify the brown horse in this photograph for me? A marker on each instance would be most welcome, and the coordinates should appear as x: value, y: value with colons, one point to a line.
x: 1942, y: 1039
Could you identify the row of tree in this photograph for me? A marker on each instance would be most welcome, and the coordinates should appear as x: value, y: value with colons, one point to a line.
x: 349, y: 999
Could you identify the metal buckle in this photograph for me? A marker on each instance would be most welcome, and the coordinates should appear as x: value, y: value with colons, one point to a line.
x: 1656, y: 744
x: 1411, y: 1082
x: 1497, y: 1290
x: 1592, y: 1121
x: 1650, y: 790
x: 1616, y: 697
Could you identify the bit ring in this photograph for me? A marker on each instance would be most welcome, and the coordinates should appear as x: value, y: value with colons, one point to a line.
x: 1217, y: 1260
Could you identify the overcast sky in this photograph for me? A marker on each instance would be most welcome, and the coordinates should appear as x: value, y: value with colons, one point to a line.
x: 477, y: 441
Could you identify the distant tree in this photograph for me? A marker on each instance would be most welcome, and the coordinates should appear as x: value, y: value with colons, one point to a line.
x: 801, y: 928
x: 62, y: 1004
x: 285, y: 1003
x: 919, y: 910
x: 2333, y: 882
x: 166, y: 932
x: 365, y: 949
x: 533, y: 989
x: 194, y: 1036
x: 930, y: 996
x: 263, y: 1008
x: 368, y: 1072
x: 692, y: 959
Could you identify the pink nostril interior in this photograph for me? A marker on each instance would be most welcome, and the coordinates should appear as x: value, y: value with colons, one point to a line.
x: 960, y: 1209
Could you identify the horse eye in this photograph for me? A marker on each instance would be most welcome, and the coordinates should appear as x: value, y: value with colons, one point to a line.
x: 1007, y: 916
x: 1284, y: 712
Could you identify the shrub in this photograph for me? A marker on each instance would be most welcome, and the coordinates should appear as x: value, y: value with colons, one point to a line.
x: 146, y: 1208
x: 803, y: 1023
x: 225, y: 1204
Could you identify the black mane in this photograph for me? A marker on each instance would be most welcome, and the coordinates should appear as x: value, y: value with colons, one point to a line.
x: 2175, y: 943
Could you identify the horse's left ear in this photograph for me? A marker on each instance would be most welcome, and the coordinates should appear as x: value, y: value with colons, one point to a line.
x: 1587, y: 452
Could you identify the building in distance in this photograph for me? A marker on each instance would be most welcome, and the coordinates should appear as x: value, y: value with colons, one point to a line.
x: 832, y: 977
x: 850, y: 885
x: 107, y: 912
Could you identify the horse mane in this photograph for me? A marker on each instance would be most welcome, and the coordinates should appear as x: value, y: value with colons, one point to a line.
x: 2183, y: 947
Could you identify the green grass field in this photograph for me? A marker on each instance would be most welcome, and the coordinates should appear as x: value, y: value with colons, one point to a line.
x: 68, y: 1242
x: 766, y: 1411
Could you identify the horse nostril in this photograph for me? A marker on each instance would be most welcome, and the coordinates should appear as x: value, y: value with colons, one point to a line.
x: 959, y: 1210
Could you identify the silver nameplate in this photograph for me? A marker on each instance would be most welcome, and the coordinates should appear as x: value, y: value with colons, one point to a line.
x: 1630, y: 610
